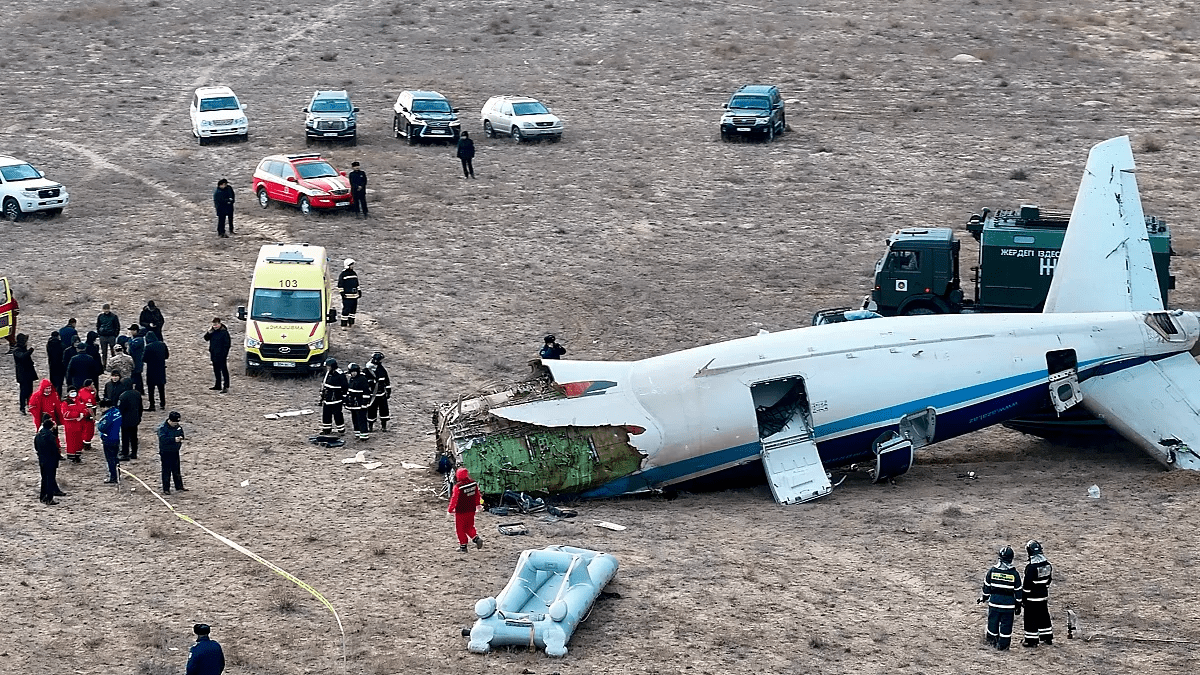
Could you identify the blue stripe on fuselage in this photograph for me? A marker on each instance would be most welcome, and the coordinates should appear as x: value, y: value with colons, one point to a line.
x: 857, y: 446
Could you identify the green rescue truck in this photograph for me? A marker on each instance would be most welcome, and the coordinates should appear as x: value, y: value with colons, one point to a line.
x: 1018, y: 251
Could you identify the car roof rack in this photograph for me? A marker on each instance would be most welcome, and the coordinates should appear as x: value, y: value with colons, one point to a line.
x: 307, y: 155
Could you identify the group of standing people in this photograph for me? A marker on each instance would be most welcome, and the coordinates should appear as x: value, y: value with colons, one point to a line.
x: 1006, y: 594
x: 362, y: 391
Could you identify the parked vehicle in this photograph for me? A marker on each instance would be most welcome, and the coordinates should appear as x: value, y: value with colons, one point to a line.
x: 424, y: 115
x: 305, y: 181
x: 330, y: 116
x: 754, y: 110
x: 25, y: 190
x: 521, y: 118
x: 217, y: 113
x: 289, y: 310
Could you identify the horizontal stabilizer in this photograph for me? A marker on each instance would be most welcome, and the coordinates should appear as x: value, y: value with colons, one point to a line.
x: 1106, y: 264
x: 1155, y: 405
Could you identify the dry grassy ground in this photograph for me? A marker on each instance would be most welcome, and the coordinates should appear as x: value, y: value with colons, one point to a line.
x: 640, y: 233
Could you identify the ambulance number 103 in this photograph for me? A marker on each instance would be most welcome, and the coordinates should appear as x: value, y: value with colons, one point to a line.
x: 288, y: 283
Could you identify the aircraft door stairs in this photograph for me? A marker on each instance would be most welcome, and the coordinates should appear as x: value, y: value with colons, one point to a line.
x: 789, y: 455
x: 1064, y: 379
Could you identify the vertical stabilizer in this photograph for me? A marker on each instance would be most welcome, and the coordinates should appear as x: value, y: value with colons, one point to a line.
x: 1106, y: 264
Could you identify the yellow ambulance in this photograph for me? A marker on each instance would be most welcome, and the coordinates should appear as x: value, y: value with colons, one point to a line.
x: 289, y: 310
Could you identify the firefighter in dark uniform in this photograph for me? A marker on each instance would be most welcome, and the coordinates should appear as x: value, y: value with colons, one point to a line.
x: 1002, y: 592
x: 551, y: 349
x: 1037, y: 596
x: 379, y: 412
x: 358, y: 399
x: 333, y: 393
x: 358, y: 189
x: 348, y: 285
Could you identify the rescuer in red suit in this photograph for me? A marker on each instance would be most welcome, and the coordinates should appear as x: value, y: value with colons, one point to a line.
x: 465, y: 500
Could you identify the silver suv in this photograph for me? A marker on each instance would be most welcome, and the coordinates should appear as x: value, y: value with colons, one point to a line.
x: 25, y: 190
x: 330, y: 116
x: 424, y: 115
x: 521, y: 118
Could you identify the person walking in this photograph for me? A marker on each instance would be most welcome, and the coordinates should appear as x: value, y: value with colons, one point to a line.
x: 130, y: 405
x: 466, y: 153
x: 551, y: 349
x: 26, y: 373
x: 73, y: 413
x: 1038, y: 573
x: 82, y: 367
x: 155, y: 359
x: 333, y: 394
x: 358, y: 395
x: 55, y: 349
x: 348, y: 286
x: 378, y: 411
x: 223, y: 198
x: 1002, y: 593
x: 358, y: 189
x: 151, y: 318
x: 109, y: 427
x: 218, y: 351
x: 465, y: 500
x: 170, y: 441
x: 46, y: 445
x: 45, y: 401
x: 108, y: 327
x: 205, y: 657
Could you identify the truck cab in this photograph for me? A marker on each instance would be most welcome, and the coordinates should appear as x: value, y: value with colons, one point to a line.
x: 918, y: 274
x: 289, y: 310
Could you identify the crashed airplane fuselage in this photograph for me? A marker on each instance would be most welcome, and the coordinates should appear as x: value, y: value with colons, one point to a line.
x: 862, y: 392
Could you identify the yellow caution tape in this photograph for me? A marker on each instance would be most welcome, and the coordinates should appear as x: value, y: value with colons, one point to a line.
x: 251, y: 554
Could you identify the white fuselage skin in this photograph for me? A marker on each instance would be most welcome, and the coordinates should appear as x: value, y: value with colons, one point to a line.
x: 861, y: 377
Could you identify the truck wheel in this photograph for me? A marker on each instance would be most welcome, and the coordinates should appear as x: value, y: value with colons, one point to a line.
x: 919, y: 310
x: 12, y: 210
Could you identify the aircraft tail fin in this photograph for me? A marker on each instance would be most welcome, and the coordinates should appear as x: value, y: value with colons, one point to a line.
x: 1106, y: 264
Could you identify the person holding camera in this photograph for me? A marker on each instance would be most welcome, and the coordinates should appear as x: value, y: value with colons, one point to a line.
x: 170, y: 441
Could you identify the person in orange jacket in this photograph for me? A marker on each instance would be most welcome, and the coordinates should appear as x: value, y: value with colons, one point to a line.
x: 45, y: 400
x: 465, y: 500
x: 73, y: 413
x: 87, y: 396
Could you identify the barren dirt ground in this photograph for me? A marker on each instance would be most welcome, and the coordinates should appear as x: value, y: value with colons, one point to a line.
x: 638, y: 234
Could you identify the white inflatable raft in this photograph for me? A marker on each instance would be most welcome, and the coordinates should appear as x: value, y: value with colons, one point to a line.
x: 550, y: 592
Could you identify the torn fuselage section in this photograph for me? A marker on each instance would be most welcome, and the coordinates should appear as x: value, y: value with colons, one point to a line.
x: 504, y: 454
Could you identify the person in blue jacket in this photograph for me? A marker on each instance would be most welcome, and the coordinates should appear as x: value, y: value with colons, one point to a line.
x: 551, y: 349
x: 109, y: 427
x: 170, y: 441
x: 206, y: 656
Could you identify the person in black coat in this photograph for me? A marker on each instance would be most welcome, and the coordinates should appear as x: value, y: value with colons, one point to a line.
x: 93, y: 347
x: 26, y: 374
x: 54, y: 360
x: 358, y: 189
x: 170, y: 442
x: 135, y: 346
x: 151, y: 317
x: 108, y: 327
x: 206, y: 657
x: 130, y: 405
x: 81, y: 368
x: 466, y: 153
x: 223, y: 201
x: 113, y: 389
x: 46, y: 445
x: 155, y: 359
x: 218, y: 350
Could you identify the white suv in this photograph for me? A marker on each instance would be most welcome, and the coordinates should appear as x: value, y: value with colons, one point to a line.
x: 216, y: 113
x: 24, y: 189
x: 520, y: 117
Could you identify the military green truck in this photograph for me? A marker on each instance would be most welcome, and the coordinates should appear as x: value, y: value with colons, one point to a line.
x: 1018, y: 251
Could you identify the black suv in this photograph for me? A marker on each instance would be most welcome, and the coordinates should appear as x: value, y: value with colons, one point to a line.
x: 754, y: 110
x: 424, y: 115
x: 330, y: 116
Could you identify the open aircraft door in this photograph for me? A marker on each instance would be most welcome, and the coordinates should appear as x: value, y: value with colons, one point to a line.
x: 8, y: 311
x: 789, y: 455
x: 1064, y: 379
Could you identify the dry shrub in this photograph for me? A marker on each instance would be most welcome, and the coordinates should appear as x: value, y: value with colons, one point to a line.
x: 1151, y: 144
x: 1018, y: 174
x: 151, y: 636
x: 284, y: 600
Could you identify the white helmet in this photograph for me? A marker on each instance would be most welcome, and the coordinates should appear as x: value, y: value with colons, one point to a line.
x: 348, y: 262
